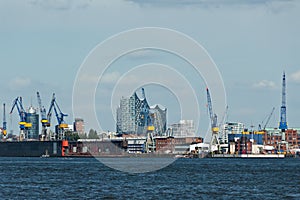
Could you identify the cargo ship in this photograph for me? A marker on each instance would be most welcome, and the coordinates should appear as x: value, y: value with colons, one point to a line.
x: 34, y: 148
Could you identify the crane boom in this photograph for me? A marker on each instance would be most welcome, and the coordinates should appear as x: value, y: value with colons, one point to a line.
x: 42, y: 111
x: 213, y: 117
x: 58, y: 113
x: 269, y: 117
x: 214, y: 143
x: 44, y: 119
x: 23, y: 115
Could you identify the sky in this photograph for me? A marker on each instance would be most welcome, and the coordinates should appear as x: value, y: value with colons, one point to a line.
x: 44, y: 43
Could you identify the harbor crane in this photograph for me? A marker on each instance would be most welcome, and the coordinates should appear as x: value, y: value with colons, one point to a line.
x: 221, y: 124
x: 268, y: 120
x: 4, y: 131
x: 283, y: 122
x: 22, y: 114
x: 61, y: 126
x: 44, y: 120
x: 214, y: 143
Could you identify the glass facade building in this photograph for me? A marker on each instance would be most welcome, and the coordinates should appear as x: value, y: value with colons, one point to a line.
x: 134, y: 115
x: 33, y: 118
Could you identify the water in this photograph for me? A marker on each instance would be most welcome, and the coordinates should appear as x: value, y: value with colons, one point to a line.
x: 86, y: 178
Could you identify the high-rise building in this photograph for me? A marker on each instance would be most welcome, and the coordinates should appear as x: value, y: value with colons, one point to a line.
x: 126, y: 115
x: 33, y: 118
x: 79, y: 125
x: 134, y: 116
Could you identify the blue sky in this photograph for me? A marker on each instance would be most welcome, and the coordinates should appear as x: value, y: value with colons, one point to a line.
x: 43, y: 44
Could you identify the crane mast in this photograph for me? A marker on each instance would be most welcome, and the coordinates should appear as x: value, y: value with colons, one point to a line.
x: 61, y: 126
x: 4, y: 121
x: 214, y: 143
x: 44, y: 119
x: 283, y: 123
x: 22, y: 114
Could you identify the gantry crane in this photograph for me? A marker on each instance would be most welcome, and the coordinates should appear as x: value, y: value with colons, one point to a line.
x: 44, y: 120
x: 4, y: 131
x: 24, y: 125
x: 214, y: 143
x: 61, y: 126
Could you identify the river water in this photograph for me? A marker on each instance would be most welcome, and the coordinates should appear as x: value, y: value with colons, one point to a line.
x: 87, y: 178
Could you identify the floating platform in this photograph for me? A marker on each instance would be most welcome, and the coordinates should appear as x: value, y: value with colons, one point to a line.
x: 33, y: 148
x: 248, y: 156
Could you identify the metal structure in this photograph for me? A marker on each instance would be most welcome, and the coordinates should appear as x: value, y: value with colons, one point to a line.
x: 268, y: 120
x: 283, y: 122
x: 61, y: 126
x: 44, y: 120
x: 214, y: 143
x: 4, y: 132
x: 223, y: 136
x: 24, y: 125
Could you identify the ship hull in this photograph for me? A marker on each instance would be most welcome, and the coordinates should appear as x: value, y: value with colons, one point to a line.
x: 31, y: 149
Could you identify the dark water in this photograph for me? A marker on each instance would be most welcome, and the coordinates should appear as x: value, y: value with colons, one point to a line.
x: 59, y: 178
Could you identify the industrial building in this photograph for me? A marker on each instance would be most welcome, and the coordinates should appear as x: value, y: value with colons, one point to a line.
x: 230, y: 128
x: 184, y: 128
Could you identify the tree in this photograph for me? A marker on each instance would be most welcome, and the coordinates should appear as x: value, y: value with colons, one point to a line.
x: 93, y: 134
x: 71, y: 136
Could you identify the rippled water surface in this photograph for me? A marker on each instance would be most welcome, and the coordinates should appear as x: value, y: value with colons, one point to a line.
x: 87, y: 178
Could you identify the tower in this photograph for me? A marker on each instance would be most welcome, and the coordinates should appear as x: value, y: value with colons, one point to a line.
x: 33, y: 118
x: 283, y: 124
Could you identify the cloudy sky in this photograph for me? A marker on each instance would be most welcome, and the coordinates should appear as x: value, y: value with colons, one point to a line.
x: 43, y: 43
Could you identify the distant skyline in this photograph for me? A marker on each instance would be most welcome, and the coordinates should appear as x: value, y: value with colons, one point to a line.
x: 44, y: 42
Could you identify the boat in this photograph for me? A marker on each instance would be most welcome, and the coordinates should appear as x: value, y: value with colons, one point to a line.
x: 46, y: 155
x: 248, y: 156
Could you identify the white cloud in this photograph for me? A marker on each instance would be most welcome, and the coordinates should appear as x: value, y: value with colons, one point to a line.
x: 295, y: 77
x: 141, y: 54
x: 60, y: 4
x: 19, y: 83
x: 206, y: 3
x: 265, y: 84
x: 110, y: 77
x: 88, y: 78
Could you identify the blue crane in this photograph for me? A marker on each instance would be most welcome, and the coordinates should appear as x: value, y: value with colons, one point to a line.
x: 213, y: 117
x: 44, y: 120
x: 4, y: 121
x: 22, y: 114
x: 283, y: 123
x: 214, y: 143
x: 59, y: 115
